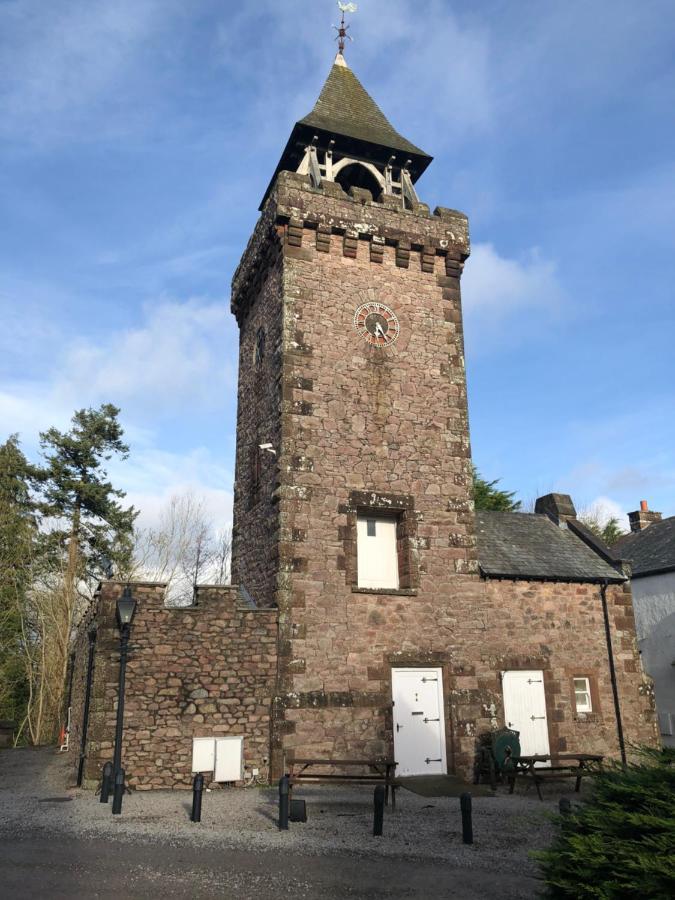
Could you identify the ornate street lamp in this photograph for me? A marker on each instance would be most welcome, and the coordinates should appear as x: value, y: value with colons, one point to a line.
x: 126, y: 607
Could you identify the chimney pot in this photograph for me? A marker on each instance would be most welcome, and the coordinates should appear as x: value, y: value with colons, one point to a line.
x: 642, y: 518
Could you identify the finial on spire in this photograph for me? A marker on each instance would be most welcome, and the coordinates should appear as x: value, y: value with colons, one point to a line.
x: 343, y: 29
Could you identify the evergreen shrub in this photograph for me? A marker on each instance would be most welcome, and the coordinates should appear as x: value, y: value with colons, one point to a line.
x: 621, y: 842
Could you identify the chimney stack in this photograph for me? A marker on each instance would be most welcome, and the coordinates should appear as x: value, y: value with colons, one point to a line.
x: 642, y: 518
x: 558, y: 507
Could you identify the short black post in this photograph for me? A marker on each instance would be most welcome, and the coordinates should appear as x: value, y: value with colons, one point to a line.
x: 467, y: 825
x: 378, y: 810
x: 118, y: 792
x: 106, y: 782
x: 197, y: 788
x: 283, y: 803
x: 565, y: 806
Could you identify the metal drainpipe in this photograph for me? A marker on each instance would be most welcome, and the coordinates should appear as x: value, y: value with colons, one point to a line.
x: 87, y: 699
x: 69, y: 695
x: 612, y: 671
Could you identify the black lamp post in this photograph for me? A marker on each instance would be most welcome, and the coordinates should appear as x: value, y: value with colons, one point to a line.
x: 126, y: 607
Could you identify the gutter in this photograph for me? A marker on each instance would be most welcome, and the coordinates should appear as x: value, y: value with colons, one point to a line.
x: 612, y: 672
x: 558, y: 579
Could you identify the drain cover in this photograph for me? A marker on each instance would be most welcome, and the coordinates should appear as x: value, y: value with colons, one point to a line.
x: 55, y: 799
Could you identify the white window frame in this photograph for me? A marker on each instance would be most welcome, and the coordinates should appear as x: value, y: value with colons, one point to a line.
x: 582, y: 708
x: 390, y: 580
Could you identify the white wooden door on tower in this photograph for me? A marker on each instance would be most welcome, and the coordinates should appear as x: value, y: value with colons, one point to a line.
x: 525, y: 710
x: 419, y: 726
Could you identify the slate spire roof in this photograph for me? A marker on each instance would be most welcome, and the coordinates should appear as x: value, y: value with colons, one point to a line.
x: 345, y: 107
x: 348, y: 121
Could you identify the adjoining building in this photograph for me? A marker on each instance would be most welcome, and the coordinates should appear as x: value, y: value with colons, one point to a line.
x: 650, y: 549
x: 374, y: 613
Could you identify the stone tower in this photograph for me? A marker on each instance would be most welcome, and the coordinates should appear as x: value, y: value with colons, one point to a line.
x: 352, y: 508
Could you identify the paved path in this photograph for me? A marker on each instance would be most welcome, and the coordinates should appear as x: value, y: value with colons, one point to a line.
x: 59, y: 842
x: 43, y: 866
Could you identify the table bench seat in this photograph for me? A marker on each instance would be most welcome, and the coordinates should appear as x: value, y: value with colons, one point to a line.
x: 382, y: 772
x: 568, y: 765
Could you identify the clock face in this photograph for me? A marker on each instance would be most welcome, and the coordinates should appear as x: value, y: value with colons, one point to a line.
x: 377, y: 324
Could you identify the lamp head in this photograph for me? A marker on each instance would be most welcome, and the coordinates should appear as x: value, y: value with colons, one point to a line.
x: 126, y: 607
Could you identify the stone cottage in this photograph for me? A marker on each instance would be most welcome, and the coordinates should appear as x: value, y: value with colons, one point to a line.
x: 373, y: 612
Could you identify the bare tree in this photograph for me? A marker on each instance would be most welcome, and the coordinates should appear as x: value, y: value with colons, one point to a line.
x: 222, y: 557
x: 184, y: 550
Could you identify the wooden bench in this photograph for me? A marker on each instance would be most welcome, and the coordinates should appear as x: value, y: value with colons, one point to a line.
x: 381, y: 771
x: 563, y: 765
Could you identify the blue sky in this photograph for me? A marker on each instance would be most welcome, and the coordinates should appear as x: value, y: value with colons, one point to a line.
x: 138, y: 136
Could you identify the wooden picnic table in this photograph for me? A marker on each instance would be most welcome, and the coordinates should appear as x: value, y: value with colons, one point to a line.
x: 563, y: 765
x: 380, y: 771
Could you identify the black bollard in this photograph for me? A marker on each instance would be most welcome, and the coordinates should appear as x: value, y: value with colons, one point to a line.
x: 106, y: 782
x: 118, y: 792
x: 283, y: 803
x: 565, y: 806
x: 467, y: 826
x: 378, y: 810
x: 197, y: 788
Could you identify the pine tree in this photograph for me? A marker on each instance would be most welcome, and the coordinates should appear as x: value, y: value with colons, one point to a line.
x: 486, y: 495
x: 18, y: 532
x: 610, y: 532
x: 90, y: 530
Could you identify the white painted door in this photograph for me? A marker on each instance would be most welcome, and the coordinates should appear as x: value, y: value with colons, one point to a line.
x: 419, y: 727
x: 377, y: 560
x: 525, y: 709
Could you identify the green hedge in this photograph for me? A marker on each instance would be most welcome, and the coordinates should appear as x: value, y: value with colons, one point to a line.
x: 621, y: 842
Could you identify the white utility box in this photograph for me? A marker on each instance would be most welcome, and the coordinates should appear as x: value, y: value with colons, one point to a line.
x: 203, y: 754
x: 229, y: 759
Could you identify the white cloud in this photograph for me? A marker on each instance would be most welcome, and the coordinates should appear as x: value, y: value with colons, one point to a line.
x: 151, y: 477
x: 179, y: 362
x: 183, y: 355
x: 495, y: 286
x: 64, y: 60
x: 602, y: 509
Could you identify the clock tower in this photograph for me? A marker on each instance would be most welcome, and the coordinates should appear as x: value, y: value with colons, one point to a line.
x: 352, y: 510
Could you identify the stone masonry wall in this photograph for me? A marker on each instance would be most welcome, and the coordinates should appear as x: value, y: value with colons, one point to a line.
x: 255, y: 533
x: 199, y: 671
x: 558, y: 628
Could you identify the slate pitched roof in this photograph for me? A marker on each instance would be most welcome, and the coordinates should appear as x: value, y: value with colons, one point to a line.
x: 651, y: 550
x: 345, y: 107
x: 526, y: 545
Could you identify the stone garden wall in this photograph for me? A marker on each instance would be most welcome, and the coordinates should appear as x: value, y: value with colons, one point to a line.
x: 202, y: 671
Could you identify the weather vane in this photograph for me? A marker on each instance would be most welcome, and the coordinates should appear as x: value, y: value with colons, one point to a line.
x: 343, y: 29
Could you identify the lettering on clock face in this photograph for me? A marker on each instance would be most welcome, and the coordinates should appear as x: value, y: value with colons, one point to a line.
x: 377, y: 324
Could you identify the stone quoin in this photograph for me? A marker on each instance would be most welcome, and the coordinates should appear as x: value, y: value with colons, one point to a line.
x: 364, y: 583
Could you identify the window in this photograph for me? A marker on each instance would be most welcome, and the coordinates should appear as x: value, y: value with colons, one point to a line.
x: 377, y: 552
x: 582, y: 695
x: 259, y: 346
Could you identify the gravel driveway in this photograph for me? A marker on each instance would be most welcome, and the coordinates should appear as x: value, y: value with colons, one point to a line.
x: 153, y: 849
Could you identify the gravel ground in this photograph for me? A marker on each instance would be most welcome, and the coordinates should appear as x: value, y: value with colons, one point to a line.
x: 506, y: 828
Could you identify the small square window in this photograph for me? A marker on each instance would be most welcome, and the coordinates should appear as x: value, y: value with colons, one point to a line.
x: 582, y: 695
